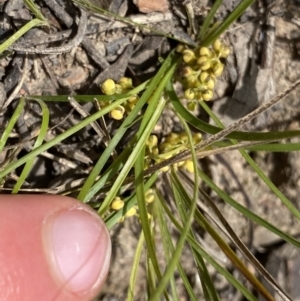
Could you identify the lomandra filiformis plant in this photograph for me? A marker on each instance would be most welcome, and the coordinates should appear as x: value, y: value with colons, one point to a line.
x: 200, y: 69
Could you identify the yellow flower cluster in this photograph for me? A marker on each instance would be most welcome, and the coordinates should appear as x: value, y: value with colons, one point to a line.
x: 201, y: 68
x: 124, y: 85
x: 118, y: 204
x: 172, y: 145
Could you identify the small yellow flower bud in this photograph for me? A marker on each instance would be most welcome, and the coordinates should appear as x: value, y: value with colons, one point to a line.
x: 133, y: 99
x: 149, y: 196
x: 204, y: 77
x: 165, y: 147
x: 187, y: 71
x: 210, y: 84
x: 192, y: 106
x: 119, y: 89
x: 183, y: 138
x: 217, y: 45
x: 188, y: 55
x: 152, y: 141
x: 125, y: 83
x: 117, y: 113
x: 180, y: 48
x: 218, y: 69
x: 198, y: 95
x: 189, y: 166
x: 117, y: 204
x: 204, y: 51
x: 225, y: 52
x: 108, y: 87
x: 189, y: 94
x: 207, y: 79
x: 181, y: 163
x: 130, y: 212
x: 197, y: 137
x: 129, y: 107
x: 165, y: 169
x: 207, y: 95
x: 172, y: 138
x: 175, y: 166
x: 204, y: 63
x: 192, y: 82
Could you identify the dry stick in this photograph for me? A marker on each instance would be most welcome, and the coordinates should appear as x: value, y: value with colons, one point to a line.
x: 82, y: 25
x: 94, y: 124
x: 18, y: 86
x: 187, y: 153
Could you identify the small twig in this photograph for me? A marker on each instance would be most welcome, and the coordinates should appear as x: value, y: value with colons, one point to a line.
x: 63, y: 161
x: 46, y: 62
x: 82, y: 25
x: 94, y: 124
x: 18, y: 86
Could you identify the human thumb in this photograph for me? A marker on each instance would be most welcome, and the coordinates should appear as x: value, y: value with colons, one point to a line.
x: 51, y: 248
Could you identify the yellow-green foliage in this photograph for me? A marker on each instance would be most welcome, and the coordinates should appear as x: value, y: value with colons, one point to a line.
x: 200, y: 69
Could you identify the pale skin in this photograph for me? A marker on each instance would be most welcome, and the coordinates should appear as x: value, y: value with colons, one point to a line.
x: 51, y: 248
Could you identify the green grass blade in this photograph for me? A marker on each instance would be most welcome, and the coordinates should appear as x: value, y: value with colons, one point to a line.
x: 166, y: 234
x: 85, y: 194
x: 209, y: 18
x: 131, y: 201
x: 12, y: 166
x: 252, y: 216
x: 9, y: 127
x: 35, y: 10
x: 158, y: 82
x: 176, y: 255
x: 90, y: 6
x: 38, y: 142
x: 208, y: 258
x: 33, y: 23
x: 134, y: 268
x: 210, y: 129
x: 236, y: 13
x: 202, y: 221
x: 141, y: 202
x: 166, y: 242
x: 89, y: 98
x: 207, y: 285
x: 257, y: 169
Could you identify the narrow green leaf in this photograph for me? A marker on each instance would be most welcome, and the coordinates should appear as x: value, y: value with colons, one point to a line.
x: 134, y: 268
x: 210, y: 129
x: 8, y: 42
x: 159, y: 82
x: 208, y: 258
x: 179, y: 247
x: 209, y: 18
x: 252, y: 216
x: 236, y: 13
x: 38, y: 142
x: 9, y: 127
x: 12, y: 166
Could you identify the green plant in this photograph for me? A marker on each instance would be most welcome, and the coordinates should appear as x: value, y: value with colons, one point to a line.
x: 143, y: 159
